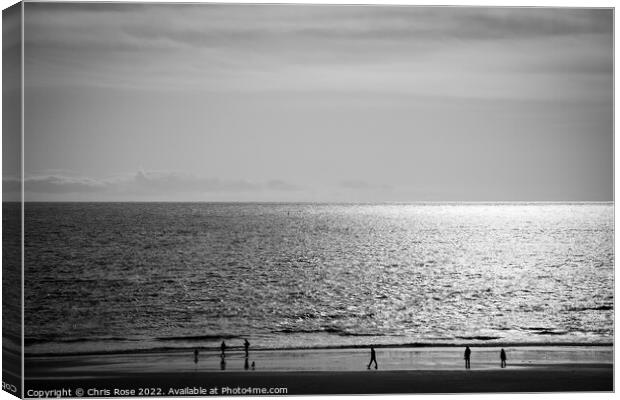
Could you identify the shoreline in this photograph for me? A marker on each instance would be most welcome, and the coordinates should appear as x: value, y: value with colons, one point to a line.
x: 416, y: 345
x: 351, y: 359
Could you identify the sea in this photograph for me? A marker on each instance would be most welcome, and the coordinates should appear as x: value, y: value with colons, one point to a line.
x: 139, y: 277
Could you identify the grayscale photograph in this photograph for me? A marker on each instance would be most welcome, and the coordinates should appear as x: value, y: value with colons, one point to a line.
x: 299, y: 199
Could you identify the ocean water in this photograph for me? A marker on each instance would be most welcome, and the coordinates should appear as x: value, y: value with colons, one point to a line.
x: 138, y: 276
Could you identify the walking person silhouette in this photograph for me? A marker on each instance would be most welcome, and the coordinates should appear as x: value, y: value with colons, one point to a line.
x: 223, y: 348
x: 502, y: 356
x: 467, y: 356
x: 196, y: 356
x: 373, y: 358
x: 246, y: 345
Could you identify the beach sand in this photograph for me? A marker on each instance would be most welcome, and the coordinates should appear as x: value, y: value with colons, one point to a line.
x: 337, y: 371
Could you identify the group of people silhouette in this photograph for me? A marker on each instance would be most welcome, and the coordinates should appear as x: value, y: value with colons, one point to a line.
x: 467, y: 357
x: 223, y: 347
x: 502, y: 358
x: 373, y: 357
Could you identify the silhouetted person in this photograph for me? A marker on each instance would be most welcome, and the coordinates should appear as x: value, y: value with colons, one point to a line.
x: 253, y: 365
x: 223, y: 364
x: 246, y: 345
x: 223, y: 347
x: 246, y: 364
x: 502, y: 356
x: 196, y: 356
x: 467, y: 356
x: 373, y: 358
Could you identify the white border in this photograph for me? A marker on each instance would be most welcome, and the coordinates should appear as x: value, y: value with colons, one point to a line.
x: 480, y: 3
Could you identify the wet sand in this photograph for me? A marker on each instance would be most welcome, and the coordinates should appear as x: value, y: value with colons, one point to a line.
x: 337, y: 371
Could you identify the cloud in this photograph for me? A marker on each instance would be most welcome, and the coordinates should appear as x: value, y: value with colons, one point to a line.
x: 142, y: 183
x: 355, y: 184
x: 54, y: 184
x: 280, y: 185
x: 204, y: 25
x: 61, y: 184
x: 212, y: 46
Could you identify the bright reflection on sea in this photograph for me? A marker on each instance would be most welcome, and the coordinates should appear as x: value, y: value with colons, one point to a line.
x: 126, y: 276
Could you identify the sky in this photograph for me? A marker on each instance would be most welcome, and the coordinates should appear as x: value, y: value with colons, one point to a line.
x: 206, y: 102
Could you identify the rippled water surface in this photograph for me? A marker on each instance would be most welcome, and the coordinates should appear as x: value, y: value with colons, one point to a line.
x: 113, y: 276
